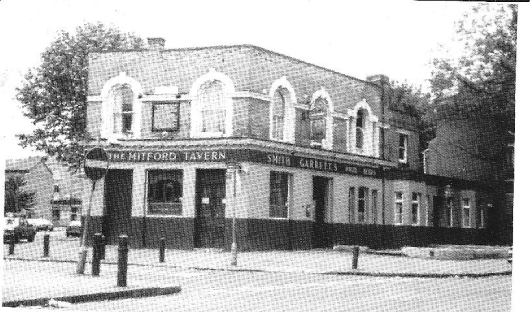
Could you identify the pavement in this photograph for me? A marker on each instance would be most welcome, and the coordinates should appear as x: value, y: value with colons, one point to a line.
x: 34, y: 279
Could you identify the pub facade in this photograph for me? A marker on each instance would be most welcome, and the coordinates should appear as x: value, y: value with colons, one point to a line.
x: 295, y: 155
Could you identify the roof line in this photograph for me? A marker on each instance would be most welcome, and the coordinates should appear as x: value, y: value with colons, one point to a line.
x: 239, y: 46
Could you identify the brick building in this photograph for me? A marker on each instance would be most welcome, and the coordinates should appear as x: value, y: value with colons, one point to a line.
x: 299, y: 155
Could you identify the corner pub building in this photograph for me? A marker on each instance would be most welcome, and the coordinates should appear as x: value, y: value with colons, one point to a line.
x: 299, y: 155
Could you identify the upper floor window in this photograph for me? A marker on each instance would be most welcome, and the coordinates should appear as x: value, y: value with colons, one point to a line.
x: 402, y: 149
x: 211, y: 109
x: 278, y: 114
x: 123, y: 109
x: 363, y: 137
x: 318, y: 121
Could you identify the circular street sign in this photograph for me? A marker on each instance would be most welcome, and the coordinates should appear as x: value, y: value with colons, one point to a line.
x: 96, y: 163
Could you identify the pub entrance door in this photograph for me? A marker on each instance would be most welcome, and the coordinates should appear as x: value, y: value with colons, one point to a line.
x: 210, y: 208
x: 322, y: 232
x: 118, y: 205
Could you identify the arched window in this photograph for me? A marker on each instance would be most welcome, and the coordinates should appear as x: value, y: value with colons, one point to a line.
x: 122, y: 103
x: 278, y: 114
x: 121, y: 106
x: 317, y: 119
x: 212, y: 107
x: 363, y: 133
x: 282, y: 112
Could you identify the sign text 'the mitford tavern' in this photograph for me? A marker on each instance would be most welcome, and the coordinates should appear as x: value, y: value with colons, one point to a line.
x: 230, y: 155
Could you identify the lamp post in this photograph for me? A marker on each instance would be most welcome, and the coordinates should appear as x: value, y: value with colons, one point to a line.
x: 233, y: 168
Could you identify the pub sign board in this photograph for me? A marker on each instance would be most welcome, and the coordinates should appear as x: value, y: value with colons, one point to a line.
x: 241, y: 155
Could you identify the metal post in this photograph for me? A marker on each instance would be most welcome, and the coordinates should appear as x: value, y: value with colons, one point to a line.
x: 12, y: 244
x: 355, y: 257
x: 46, y: 245
x: 162, y: 254
x: 123, y: 249
x: 102, y: 247
x: 234, y: 243
x: 83, y: 250
x: 96, y: 254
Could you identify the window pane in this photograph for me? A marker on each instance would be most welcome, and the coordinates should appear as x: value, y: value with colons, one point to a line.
x: 211, y: 102
x: 279, y: 194
x: 165, y: 192
x: 318, y: 129
x: 359, y: 138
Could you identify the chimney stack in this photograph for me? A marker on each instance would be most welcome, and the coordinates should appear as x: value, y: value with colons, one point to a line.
x: 156, y: 43
x: 379, y: 79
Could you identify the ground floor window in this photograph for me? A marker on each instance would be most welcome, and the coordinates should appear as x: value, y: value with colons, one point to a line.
x: 279, y: 194
x: 56, y: 214
x: 351, y: 204
x: 164, y: 192
x: 398, y: 208
x: 466, y: 213
x: 361, y: 205
x: 449, y: 210
x: 415, y: 208
x: 73, y: 213
x: 374, y: 205
x: 481, y: 218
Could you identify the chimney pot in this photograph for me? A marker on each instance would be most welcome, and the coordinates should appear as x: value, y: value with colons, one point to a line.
x: 381, y: 79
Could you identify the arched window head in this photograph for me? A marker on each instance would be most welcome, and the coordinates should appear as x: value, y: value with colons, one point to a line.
x: 317, y: 119
x: 212, y: 107
x: 278, y: 113
x: 122, y: 98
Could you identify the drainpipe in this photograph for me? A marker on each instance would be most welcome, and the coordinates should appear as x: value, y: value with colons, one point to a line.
x: 383, y: 201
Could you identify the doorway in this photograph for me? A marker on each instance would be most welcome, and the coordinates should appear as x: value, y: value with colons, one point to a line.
x: 118, y: 204
x: 322, y: 233
x: 210, y: 208
x: 437, y: 209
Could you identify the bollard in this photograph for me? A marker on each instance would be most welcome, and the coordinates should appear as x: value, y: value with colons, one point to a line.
x: 102, y: 247
x: 46, y: 247
x: 96, y: 254
x: 11, y: 244
x: 122, y: 260
x: 162, y: 254
x: 355, y: 257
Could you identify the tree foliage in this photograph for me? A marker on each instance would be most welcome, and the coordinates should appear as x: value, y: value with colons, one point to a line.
x: 482, y: 74
x: 54, y: 94
x: 16, y: 198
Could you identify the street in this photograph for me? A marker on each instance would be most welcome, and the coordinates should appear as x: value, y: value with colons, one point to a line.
x: 246, y: 291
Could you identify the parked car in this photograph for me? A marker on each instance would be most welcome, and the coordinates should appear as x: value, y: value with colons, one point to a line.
x: 19, y: 228
x: 74, y: 229
x: 41, y: 224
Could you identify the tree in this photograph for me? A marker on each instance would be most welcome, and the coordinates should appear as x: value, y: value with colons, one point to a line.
x: 54, y: 94
x: 483, y: 75
x: 410, y: 100
x: 16, y: 198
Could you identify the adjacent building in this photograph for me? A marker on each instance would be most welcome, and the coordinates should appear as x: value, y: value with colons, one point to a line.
x: 295, y: 155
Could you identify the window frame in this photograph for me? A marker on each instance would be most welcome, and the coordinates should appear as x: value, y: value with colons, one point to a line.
x: 287, y: 205
x: 415, y: 203
x: 351, y: 204
x: 177, y: 126
x: 398, y: 202
x: 150, y: 205
x: 364, y: 201
x: 404, y: 148
x: 374, y: 203
x: 449, y: 204
x: 466, y: 216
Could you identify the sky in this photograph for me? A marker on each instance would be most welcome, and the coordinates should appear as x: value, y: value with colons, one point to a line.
x: 397, y: 38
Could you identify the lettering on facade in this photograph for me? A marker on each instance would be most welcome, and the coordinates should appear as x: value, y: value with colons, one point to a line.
x: 227, y: 155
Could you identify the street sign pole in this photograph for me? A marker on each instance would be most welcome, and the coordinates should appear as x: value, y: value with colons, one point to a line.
x: 234, y: 167
x: 99, y: 157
